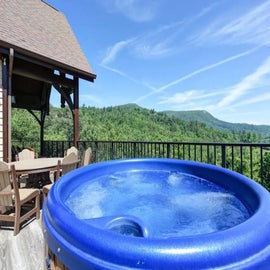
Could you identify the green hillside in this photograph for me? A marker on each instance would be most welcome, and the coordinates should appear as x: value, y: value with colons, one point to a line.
x: 125, y: 123
x: 262, y: 131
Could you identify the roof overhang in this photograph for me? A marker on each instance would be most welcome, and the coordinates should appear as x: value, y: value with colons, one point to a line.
x: 46, y: 62
x: 34, y: 75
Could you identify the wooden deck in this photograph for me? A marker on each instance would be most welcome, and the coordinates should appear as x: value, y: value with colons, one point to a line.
x: 26, y: 250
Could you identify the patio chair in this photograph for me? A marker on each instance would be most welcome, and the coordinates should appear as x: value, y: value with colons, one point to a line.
x: 74, y: 150
x: 69, y: 163
x: 17, y: 205
x: 87, y: 157
x: 27, y: 153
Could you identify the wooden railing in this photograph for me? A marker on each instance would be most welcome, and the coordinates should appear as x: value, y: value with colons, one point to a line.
x: 250, y: 159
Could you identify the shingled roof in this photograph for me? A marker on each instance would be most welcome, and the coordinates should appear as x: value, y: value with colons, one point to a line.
x: 37, y: 29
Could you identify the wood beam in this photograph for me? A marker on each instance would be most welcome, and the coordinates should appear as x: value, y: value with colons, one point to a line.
x: 43, y: 76
x: 64, y: 95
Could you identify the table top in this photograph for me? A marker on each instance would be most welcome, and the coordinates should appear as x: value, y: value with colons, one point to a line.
x: 35, y: 165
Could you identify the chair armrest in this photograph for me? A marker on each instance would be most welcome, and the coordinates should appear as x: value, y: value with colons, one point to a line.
x: 6, y: 193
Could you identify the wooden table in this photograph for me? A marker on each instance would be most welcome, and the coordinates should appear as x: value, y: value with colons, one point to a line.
x: 38, y: 170
x: 37, y: 165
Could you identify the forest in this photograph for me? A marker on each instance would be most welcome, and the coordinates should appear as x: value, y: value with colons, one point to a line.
x: 123, y: 123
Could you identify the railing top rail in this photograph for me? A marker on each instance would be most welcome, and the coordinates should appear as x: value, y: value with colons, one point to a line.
x: 240, y: 144
x: 180, y: 142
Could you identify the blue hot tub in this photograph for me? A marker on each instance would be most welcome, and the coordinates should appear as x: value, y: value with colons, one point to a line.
x: 158, y: 214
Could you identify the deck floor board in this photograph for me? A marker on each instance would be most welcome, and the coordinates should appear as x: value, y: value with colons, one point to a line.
x: 25, y: 251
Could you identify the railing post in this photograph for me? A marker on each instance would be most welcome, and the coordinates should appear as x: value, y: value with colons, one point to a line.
x: 134, y: 149
x: 223, y: 156
x: 168, y: 150
x: 112, y: 152
x: 96, y: 151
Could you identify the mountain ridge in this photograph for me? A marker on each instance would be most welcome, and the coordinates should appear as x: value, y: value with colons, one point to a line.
x: 211, y: 121
x: 208, y: 119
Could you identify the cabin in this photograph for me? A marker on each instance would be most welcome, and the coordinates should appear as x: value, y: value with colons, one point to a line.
x: 38, y: 52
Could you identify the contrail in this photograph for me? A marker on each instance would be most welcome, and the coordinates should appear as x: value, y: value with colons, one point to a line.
x: 165, y: 87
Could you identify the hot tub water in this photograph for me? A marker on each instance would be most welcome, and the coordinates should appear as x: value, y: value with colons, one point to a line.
x: 168, y: 203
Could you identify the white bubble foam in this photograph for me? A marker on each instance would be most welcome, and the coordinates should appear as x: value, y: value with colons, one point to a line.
x: 168, y: 203
x: 174, y: 179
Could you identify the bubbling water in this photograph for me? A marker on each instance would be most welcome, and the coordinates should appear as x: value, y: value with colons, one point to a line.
x: 169, y: 203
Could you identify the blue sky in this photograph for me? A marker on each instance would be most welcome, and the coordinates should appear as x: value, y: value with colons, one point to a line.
x: 176, y: 55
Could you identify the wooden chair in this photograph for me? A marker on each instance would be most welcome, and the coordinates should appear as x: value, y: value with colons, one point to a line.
x: 68, y: 164
x: 27, y: 153
x: 74, y: 150
x: 13, y: 199
x: 87, y: 157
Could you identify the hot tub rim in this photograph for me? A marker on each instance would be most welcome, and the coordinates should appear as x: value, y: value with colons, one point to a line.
x: 194, y: 243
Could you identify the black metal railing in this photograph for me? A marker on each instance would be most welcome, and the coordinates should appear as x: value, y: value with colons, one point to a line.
x: 250, y: 159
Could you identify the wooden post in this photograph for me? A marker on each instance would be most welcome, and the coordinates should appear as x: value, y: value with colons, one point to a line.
x: 10, y: 72
x: 76, y: 124
x: 56, y: 264
x: 5, y: 111
x: 42, y: 121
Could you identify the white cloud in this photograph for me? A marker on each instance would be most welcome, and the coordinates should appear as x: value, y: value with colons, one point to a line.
x: 249, y: 82
x: 113, y: 51
x: 183, y: 97
x: 156, y: 43
x: 261, y: 98
x: 180, y: 97
x: 135, y: 10
x: 249, y: 28
x: 189, y: 96
x: 191, y: 99
x: 164, y: 40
